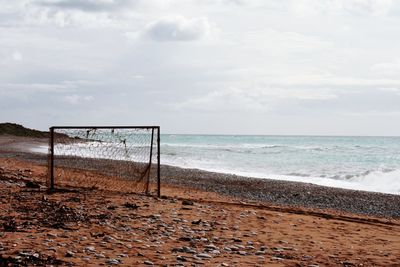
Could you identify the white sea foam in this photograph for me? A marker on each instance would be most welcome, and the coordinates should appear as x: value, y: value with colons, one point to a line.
x: 39, y: 149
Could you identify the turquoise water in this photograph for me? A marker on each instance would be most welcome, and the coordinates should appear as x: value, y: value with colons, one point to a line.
x: 364, y: 163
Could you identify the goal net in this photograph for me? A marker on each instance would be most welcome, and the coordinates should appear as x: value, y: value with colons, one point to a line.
x: 112, y: 158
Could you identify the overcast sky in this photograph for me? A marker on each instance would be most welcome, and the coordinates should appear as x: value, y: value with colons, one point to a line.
x: 203, y: 66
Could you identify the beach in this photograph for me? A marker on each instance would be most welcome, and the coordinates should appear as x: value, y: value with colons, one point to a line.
x: 202, y: 218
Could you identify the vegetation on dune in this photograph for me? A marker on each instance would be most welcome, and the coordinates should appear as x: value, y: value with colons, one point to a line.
x: 19, y: 130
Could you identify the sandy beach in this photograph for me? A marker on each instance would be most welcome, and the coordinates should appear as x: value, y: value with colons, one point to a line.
x: 202, y: 218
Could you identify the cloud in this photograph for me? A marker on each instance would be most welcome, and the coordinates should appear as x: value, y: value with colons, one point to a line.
x: 177, y: 28
x: 77, y: 99
x: 17, y: 56
x: 33, y: 88
x: 387, y: 68
x: 252, y: 98
x: 86, y: 5
x: 361, y: 7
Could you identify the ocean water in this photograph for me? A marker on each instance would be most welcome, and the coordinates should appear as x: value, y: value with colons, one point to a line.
x: 361, y: 163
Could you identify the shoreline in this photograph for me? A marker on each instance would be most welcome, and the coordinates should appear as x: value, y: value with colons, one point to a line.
x: 201, y: 218
x: 276, y: 192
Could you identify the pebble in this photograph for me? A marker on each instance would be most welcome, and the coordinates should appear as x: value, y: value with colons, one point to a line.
x: 277, y: 258
x: 99, y: 255
x: 189, y: 250
x: 86, y: 258
x: 112, y: 261
x: 211, y: 247
x: 187, y: 202
x: 215, y: 251
x: 69, y: 254
x: 148, y: 263
x: 180, y: 258
x: 90, y: 249
x: 108, y: 238
x: 204, y: 256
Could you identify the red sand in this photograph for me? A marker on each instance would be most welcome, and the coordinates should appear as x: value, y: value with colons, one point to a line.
x: 101, y: 227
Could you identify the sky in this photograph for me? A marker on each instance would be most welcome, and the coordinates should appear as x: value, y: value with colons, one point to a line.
x: 292, y: 67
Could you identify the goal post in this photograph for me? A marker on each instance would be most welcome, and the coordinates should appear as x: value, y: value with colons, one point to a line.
x: 127, y: 157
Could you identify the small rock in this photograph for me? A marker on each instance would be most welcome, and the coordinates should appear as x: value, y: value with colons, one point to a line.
x: 204, y: 256
x: 189, y: 250
x: 187, y: 202
x: 69, y: 254
x: 90, y: 249
x: 112, y: 261
x: 99, y: 255
x: 196, y: 222
x: 180, y: 258
x: 86, y: 258
x: 32, y: 184
x: 148, y: 263
x: 215, y: 251
x: 108, y: 238
x: 211, y: 247
x: 185, y: 238
x: 132, y: 206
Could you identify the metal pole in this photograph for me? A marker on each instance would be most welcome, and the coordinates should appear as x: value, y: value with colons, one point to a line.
x: 151, y: 156
x: 158, y: 163
x: 51, y: 158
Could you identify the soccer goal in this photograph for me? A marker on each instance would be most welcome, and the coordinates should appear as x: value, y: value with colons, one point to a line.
x: 125, y: 158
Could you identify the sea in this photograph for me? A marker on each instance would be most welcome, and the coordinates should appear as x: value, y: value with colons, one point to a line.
x: 360, y: 163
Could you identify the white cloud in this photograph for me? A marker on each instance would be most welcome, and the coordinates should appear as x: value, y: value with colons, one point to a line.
x: 17, y: 56
x: 387, y: 68
x: 251, y: 98
x: 362, y: 7
x: 329, y: 80
x: 32, y: 88
x: 77, y: 99
x: 86, y: 5
x: 178, y: 28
